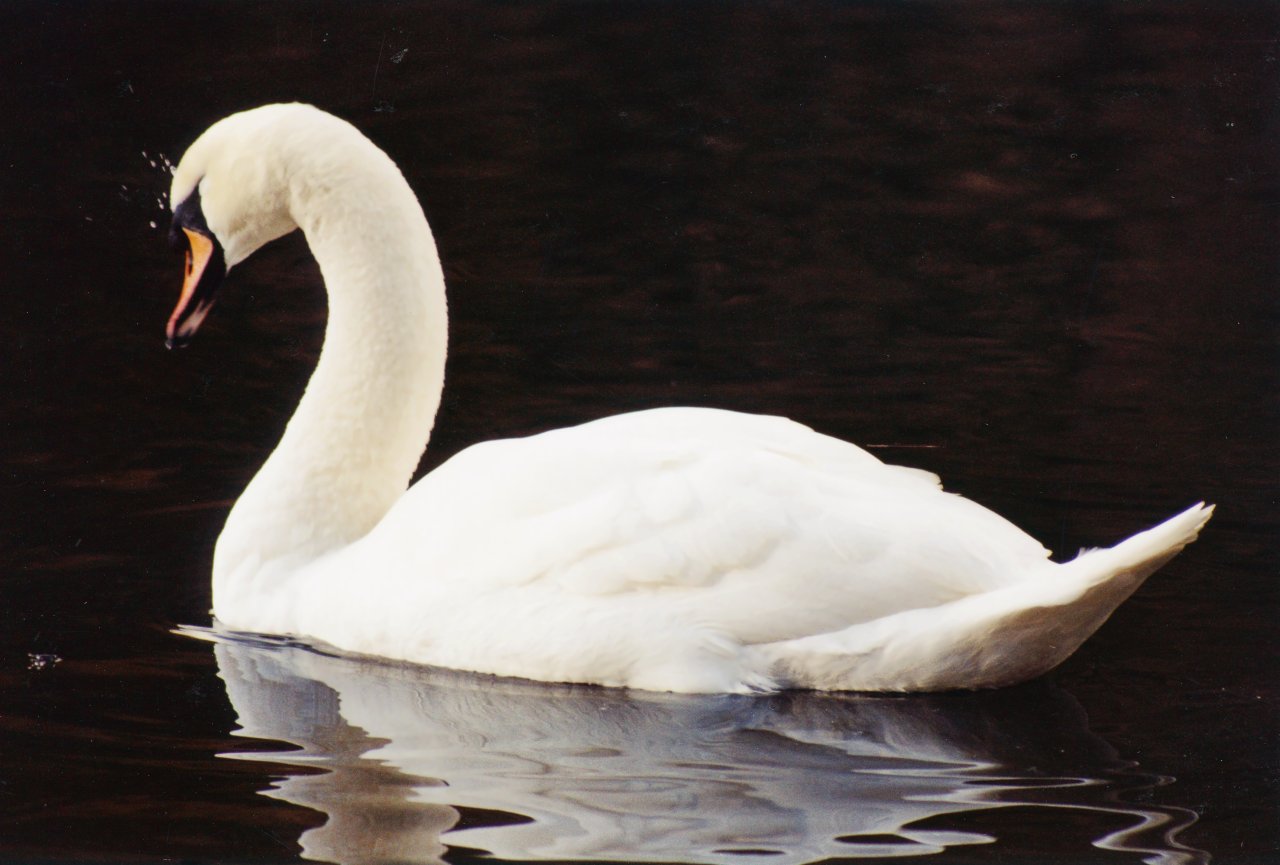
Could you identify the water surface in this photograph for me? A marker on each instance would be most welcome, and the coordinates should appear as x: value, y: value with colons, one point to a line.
x: 1029, y: 247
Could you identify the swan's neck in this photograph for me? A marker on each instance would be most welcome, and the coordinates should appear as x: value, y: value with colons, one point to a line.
x: 352, y: 445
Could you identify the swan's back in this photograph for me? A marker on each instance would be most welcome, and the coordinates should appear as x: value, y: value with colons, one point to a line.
x: 745, y: 529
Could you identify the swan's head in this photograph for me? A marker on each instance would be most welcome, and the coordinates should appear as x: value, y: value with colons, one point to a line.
x: 231, y: 195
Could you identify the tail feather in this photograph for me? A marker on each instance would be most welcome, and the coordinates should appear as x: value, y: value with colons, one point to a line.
x: 1138, y: 557
x: 987, y: 640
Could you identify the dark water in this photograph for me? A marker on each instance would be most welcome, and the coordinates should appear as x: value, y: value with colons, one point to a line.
x: 1031, y: 247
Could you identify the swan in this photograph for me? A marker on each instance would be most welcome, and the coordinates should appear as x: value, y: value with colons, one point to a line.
x: 676, y: 549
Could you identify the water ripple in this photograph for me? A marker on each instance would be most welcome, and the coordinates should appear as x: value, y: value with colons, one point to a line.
x: 415, y: 762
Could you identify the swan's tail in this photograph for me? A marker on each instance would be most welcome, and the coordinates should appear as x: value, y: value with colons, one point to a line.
x: 1138, y: 557
x: 987, y: 640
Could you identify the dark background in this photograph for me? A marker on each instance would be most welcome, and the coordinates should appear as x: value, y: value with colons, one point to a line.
x: 1029, y: 246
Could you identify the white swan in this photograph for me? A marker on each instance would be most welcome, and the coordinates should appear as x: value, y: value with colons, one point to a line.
x: 679, y: 549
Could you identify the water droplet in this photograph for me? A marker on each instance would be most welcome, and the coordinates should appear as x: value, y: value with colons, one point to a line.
x: 42, y: 660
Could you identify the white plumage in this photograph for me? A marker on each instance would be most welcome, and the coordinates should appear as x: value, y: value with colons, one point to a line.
x: 679, y: 549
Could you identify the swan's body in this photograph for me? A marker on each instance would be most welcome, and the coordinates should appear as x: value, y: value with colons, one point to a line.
x: 676, y: 549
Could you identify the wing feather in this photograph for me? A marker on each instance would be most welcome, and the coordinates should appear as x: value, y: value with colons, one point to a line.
x: 755, y: 527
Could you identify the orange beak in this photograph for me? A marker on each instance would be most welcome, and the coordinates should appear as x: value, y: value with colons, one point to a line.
x: 204, y: 272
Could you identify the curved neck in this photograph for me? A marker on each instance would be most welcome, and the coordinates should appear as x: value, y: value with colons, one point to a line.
x: 352, y: 445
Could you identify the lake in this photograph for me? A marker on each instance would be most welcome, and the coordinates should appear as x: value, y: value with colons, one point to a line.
x: 1031, y: 247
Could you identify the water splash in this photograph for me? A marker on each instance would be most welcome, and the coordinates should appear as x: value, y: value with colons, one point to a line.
x: 40, y: 661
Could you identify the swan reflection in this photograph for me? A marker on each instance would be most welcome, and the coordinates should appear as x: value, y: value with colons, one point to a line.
x: 407, y: 763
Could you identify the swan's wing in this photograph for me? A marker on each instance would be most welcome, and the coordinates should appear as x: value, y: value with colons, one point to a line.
x: 758, y: 526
